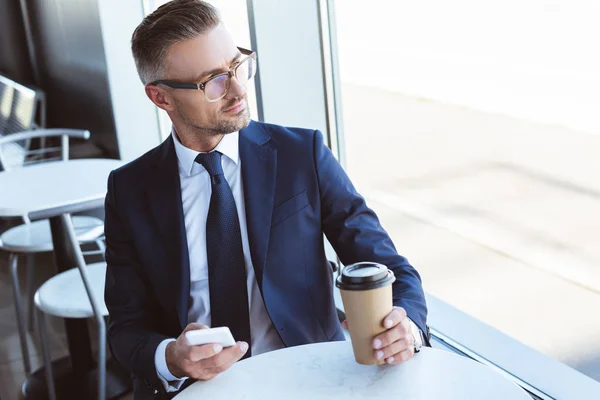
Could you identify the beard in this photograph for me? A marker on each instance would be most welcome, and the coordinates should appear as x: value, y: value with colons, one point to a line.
x: 224, y: 125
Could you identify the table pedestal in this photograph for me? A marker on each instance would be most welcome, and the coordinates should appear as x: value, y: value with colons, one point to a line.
x: 65, y: 258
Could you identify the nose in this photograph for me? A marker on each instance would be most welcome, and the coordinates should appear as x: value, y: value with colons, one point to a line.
x: 236, y: 89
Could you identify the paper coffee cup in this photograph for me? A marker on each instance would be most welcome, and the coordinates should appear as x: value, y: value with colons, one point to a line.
x: 366, y: 290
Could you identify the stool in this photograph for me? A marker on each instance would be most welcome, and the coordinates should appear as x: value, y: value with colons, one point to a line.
x: 65, y: 296
x: 36, y: 237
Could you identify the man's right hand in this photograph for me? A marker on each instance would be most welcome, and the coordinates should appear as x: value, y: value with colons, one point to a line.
x: 202, y: 362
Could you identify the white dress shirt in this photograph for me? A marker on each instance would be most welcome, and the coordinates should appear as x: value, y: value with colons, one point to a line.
x: 195, y: 197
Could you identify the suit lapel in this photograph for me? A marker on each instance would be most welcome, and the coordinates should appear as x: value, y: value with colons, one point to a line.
x: 259, y: 169
x: 164, y: 197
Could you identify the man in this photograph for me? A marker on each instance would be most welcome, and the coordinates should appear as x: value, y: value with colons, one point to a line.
x: 222, y: 224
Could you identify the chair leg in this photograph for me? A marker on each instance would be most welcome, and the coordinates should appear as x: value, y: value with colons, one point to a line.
x: 46, y: 353
x: 101, y: 361
x: 30, y: 291
x: 101, y: 246
x: 14, y: 263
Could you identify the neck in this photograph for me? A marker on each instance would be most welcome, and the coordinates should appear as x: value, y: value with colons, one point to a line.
x: 198, y: 141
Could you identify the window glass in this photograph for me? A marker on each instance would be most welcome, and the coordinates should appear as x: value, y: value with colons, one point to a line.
x: 473, y: 130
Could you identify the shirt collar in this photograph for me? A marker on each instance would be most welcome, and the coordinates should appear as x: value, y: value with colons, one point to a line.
x: 228, y: 146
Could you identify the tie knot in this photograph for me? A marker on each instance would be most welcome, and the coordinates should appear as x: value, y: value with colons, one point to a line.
x: 211, y: 162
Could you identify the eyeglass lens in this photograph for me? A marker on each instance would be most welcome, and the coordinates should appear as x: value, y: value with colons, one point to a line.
x: 218, y: 86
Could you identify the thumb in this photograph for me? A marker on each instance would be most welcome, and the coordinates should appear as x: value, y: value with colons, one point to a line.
x: 345, y: 324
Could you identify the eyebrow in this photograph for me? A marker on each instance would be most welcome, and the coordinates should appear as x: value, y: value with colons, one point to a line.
x: 216, y: 71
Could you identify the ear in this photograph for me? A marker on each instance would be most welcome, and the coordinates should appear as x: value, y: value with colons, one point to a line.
x: 160, y: 97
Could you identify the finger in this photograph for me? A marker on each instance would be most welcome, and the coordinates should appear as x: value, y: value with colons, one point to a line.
x: 208, y: 368
x: 228, y: 355
x: 392, y: 349
x: 191, y: 327
x: 221, y: 362
x: 202, y: 352
x: 242, y: 349
x: 194, y: 326
x: 345, y: 324
x: 390, y: 336
x: 394, y: 317
x: 401, y: 357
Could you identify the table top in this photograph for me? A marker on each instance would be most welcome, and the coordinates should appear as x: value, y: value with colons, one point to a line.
x: 50, y: 189
x: 328, y: 371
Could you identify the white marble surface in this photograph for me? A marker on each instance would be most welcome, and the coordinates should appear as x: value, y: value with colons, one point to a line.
x: 64, y: 295
x: 53, y: 185
x: 328, y: 371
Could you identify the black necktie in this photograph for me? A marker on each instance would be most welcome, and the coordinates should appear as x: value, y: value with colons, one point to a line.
x: 226, y: 265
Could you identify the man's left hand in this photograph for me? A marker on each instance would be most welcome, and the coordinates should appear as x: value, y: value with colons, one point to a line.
x: 397, y: 344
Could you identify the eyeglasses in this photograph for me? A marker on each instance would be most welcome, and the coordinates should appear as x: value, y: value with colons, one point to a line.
x: 216, y: 87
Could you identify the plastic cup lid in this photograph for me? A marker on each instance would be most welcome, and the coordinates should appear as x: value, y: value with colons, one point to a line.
x: 364, y: 276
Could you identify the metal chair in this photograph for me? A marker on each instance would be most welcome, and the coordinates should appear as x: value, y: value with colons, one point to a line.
x: 66, y: 296
x: 16, y: 149
x: 31, y: 238
x: 23, y: 107
x: 76, y: 293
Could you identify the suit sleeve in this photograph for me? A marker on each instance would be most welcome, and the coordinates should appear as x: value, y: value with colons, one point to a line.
x: 131, y: 336
x: 356, y: 234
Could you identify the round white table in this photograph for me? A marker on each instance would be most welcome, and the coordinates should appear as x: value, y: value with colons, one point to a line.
x: 53, y: 191
x: 328, y: 371
x: 54, y: 188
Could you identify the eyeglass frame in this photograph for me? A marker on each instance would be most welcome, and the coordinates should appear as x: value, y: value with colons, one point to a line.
x: 202, y: 85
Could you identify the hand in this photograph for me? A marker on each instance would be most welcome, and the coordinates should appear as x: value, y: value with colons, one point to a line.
x: 397, y: 344
x: 202, y: 362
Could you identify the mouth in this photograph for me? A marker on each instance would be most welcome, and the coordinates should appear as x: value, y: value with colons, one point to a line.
x: 235, y: 108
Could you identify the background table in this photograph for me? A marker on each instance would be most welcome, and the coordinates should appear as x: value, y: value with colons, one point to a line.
x: 328, y: 371
x: 52, y: 191
x: 54, y: 188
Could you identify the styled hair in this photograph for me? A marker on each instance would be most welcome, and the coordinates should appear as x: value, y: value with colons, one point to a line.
x: 173, y: 22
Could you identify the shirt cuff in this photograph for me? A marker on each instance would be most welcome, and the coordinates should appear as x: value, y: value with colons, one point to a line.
x: 416, y: 333
x: 169, y: 382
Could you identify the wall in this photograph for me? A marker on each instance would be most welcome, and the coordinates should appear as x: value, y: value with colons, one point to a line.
x: 68, y: 40
x: 14, y: 61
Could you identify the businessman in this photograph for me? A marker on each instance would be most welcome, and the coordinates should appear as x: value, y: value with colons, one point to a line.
x: 222, y: 224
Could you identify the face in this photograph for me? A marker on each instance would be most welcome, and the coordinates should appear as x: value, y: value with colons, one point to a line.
x: 195, y: 61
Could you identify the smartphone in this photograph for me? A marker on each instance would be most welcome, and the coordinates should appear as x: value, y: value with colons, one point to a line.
x: 221, y: 335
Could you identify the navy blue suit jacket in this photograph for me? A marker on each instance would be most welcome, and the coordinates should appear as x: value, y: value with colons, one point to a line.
x: 295, y: 190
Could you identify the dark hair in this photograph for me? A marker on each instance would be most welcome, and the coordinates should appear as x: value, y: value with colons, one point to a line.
x: 172, y: 22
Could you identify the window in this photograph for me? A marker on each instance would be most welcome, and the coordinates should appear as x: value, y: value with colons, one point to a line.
x: 472, y: 128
